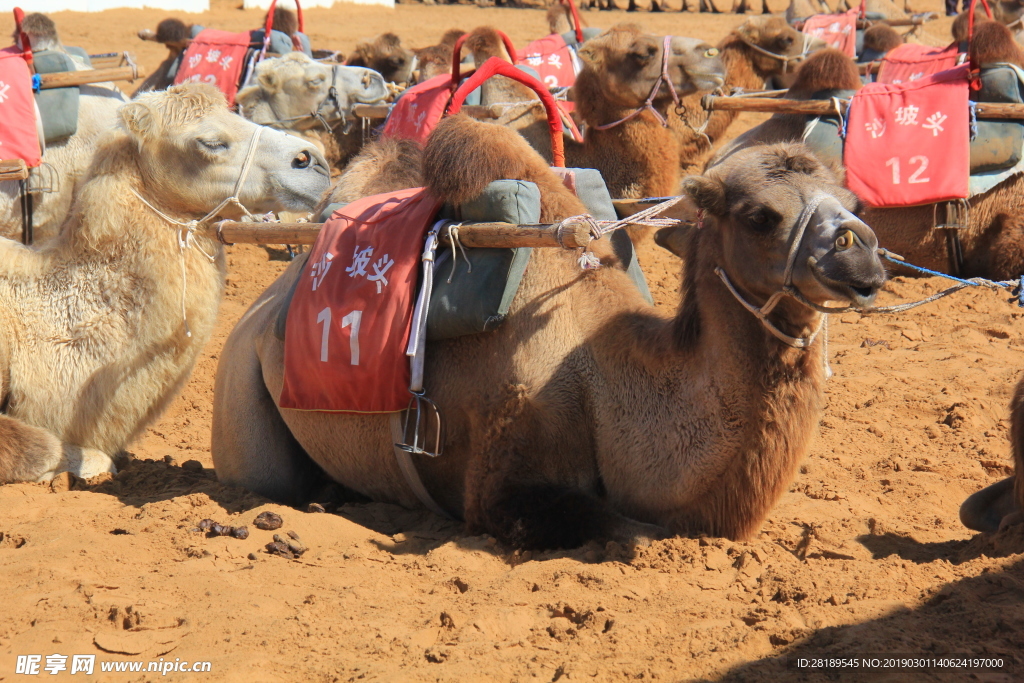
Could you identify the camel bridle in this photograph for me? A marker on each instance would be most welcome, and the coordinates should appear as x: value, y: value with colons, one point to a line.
x: 785, y: 59
x: 648, y: 105
x: 187, y: 229
x: 788, y: 288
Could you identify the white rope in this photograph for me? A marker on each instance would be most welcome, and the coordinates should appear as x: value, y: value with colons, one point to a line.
x: 187, y: 229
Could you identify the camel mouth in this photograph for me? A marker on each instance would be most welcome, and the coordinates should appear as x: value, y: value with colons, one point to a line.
x: 859, y: 294
x: 707, y: 81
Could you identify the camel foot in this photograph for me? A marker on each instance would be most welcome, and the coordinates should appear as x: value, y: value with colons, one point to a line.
x: 81, y: 462
x: 989, y: 508
x: 638, y: 534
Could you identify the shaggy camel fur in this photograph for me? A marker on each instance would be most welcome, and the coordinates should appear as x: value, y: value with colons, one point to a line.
x: 881, y: 38
x: 384, y: 165
x: 105, y: 330
x: 746, y: 68
x: 587, y: 415
x: 287, y: 92
x: 436, y: 59
x: 639, y: 157
x: 66, y: 160
x: 993, y: 240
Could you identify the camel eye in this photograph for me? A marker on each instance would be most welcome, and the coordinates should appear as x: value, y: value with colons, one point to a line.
x: 711, y: 52
x: 213, y: 145
x: 787, y: 41
x: 845, y: 240
x: 762, y: 219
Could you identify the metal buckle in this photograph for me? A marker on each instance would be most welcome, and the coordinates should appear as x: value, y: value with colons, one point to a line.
x: 419, y: 415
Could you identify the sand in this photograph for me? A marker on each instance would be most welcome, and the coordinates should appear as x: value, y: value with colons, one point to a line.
x: 863, y: 555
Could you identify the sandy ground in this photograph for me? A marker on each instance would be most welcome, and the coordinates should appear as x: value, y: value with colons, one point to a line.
x: 863, y: 555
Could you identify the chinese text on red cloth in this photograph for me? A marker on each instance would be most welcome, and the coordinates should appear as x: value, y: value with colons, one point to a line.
x: 349, y: 320
x: 217, y: 58
x: 909, y: 144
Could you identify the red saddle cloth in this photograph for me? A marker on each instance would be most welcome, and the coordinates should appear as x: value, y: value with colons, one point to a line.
x: 350, y: 317
x: 909, y: 143
x: 553, y: 59
x: 909, y: 62
x: 19, y: 138
x: 215, y: 57
x: 418, y: 111
x: 838, y: 30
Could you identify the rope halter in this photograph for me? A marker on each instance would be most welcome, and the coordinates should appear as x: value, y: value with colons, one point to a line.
x: 663, y: 79
x: 187, y: 229
x: 788, y: 289
x: 785, y: 59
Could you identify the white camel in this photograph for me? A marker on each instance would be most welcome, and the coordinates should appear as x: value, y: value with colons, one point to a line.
x: 103, y: 324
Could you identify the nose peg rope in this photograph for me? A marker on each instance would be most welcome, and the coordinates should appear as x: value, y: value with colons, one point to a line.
x: 663, y: 79
x: 187, y: 229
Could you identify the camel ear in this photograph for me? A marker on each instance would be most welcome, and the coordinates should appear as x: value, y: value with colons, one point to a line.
x: 673, y: 239
x: 706, y: 193
x: 139, y: 120
x: 590, y: 54
x: 268, y: 81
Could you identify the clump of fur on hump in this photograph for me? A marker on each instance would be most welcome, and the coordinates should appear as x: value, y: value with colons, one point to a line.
x: 993, y: 43
x: 173, y: 31
x: 881, y: 37
x: 384, y: 165
x: 959, y: 28
x: 285, y: 21
x: 463, y: 156
x: 826, y: 69
x: 484, y: 42
x: 41, y: 31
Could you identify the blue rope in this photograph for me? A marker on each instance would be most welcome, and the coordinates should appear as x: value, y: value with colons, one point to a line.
x: 1016, y: 286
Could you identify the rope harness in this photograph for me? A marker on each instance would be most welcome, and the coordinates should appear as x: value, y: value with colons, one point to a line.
x: 187, y: 229
x: 648, y: 105
x: 788, y: 289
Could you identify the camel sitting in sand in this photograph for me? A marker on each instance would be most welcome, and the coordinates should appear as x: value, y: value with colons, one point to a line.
x: 992, y: 243
x: 104, y: 323
x: 587, y: 414
x: 64, y: 161
x: 295, y: 93
x: 386, y: 55
x: 762, y: 49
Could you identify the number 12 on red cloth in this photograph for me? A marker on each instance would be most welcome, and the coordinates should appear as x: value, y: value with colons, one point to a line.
x: 908, y: 144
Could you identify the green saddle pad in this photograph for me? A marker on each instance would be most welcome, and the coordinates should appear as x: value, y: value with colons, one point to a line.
x: 58, y: 106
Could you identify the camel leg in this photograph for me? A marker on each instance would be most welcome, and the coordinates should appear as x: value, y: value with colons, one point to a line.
x: 511, y: 496
x: 250, y: 443
x: 29, y: 453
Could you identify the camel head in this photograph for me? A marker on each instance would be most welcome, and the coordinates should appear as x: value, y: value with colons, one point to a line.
x: 759, y: 199
x: 385, y: 55
x: 174, y: 34
x: 191, y: 150
x: 290, y: 90
x: 623, y: 65
x: 775, y: 46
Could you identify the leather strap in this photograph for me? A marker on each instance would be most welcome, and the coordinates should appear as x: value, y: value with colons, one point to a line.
x: 408, y: 468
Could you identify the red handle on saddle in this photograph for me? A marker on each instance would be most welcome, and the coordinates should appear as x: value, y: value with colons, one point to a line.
x: 577, y: 24
x: 26, y: 46
x: 457, y: 55
x: 496, y: 66
x: 269, y: 26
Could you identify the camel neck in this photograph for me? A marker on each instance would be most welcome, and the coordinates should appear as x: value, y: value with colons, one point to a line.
x: 741, y: 64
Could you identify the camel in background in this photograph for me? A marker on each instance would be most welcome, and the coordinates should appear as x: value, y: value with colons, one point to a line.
x: 103, y: 324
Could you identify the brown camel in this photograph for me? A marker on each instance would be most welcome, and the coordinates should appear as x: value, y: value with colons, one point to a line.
x: 436, y: 59
x: 587, y: 414
x: 103, y: 324
x: 762, y: 49
x: 639, y: 157
x: 992, y: 242
x: 878, y: 40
